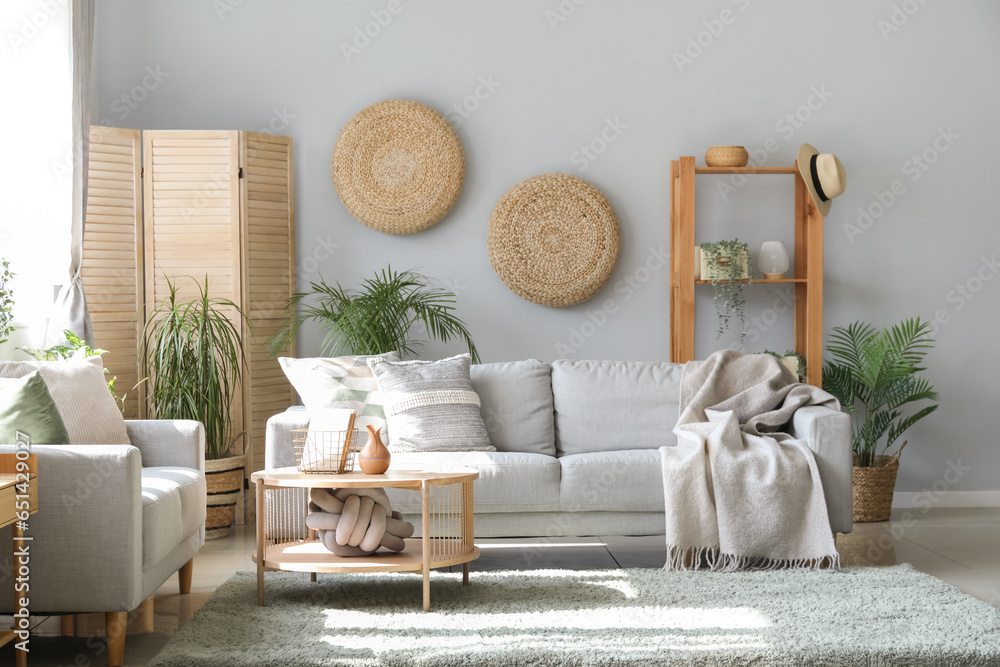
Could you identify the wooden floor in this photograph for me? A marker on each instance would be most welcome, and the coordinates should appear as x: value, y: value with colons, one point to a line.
x: 958, y: 545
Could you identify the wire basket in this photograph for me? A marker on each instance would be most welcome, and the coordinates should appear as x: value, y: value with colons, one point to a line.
x: 327, y: 452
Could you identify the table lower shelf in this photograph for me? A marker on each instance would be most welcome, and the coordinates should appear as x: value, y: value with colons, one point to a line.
x: 311, y: 556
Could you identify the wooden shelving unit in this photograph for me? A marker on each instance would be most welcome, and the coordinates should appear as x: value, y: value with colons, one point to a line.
x: 808, y: 269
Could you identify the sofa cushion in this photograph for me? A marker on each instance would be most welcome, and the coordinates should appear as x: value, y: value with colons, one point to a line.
x: 613, y: 405
x: 508, y: 481
x: 173, y: 507
x: 430, y: 406
x: 517, y: 405
x: 628, y: 480
x: 339, y: 383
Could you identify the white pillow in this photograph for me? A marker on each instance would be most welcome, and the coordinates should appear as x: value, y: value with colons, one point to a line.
x: 80, y: 392
x: 339, y: 382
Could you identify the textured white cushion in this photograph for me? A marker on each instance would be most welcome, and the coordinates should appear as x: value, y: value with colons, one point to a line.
x: 612, y: 405
x: 80, y: 392
x: 517, y: 405
x: 629, y: 480
x: 339, y: 382
x: 508, y: 481
x: 431, y: 405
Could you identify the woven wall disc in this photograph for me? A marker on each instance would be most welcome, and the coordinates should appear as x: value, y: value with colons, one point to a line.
x: 554, y: 239
x: 398, y: 166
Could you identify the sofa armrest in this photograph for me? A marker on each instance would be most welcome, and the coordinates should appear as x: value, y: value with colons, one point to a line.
x: 828, y: 433
x: 86, y: 549
x: 168, y: 442
x: 278, y: 451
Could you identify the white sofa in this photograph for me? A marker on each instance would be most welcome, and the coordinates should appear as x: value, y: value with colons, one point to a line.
x: 577, y: 449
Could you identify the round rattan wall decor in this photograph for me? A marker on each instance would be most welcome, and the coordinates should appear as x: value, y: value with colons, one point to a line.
x: 553, y: 239
x: 398, y: 166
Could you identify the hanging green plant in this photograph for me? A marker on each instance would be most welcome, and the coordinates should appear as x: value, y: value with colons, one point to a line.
x: 726, y: 265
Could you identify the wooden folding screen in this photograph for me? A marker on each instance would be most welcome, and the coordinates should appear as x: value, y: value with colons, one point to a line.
x: 215, y: 204
x: 112, y: 257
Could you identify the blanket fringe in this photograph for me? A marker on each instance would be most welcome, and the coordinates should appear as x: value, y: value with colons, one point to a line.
x: 686, y: 559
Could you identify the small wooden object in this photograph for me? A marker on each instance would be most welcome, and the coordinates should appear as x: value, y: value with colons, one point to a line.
x: 727, y: 156
x: 374, y: 458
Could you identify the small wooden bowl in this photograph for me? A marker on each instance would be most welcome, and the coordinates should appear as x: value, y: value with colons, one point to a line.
x: 727, y: 156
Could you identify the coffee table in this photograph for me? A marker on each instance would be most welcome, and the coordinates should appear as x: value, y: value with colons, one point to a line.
x: 447, y: 524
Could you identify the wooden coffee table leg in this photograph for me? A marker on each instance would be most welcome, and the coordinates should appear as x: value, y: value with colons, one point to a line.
x: 465, y: 574
x: 425, y: 540
x: 260, y: 543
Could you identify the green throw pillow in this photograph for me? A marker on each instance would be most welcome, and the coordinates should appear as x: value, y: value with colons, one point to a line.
x: 26, y: 406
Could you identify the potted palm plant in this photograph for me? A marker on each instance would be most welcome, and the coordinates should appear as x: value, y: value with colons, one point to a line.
x: 376, y: 318
x: 875, y: 376
x: 192, y: 354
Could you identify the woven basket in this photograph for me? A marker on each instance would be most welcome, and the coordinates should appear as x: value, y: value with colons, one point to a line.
x: 398, y: 166
x: 224, y: 478
x: 727, y: 156
x: 872, y: 488
x: 553, y: 239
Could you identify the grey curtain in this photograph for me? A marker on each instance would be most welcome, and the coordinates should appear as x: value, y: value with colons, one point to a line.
x: 70, y: 308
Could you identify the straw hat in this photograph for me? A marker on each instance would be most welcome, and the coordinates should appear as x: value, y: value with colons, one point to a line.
x: 824, y: 176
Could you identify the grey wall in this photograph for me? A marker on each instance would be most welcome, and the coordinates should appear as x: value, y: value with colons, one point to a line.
x: 887, y: 95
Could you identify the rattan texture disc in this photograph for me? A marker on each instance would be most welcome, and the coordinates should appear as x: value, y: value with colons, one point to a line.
x: 554, y: 239
x: 398, y: 166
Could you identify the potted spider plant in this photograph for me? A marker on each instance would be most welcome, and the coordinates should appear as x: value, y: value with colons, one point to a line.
x: 192, y: 354
x: 376, y: 318
x: 875, y: 376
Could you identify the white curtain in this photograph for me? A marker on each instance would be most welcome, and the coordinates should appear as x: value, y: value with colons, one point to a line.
x: 70, y: 307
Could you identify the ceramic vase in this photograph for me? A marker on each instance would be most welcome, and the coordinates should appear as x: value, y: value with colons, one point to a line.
x: 374, y: 457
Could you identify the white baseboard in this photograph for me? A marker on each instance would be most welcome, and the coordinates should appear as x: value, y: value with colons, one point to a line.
x: 924, y: 499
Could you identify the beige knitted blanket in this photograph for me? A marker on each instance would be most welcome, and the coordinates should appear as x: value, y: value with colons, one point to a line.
x: 739, y: 494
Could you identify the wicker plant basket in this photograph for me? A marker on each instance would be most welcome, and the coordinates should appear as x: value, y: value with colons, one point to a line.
x: 225, y: 484
x: 873, y: 487
x: 727, y: 156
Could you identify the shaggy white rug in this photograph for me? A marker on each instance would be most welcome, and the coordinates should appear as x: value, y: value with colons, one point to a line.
x: 868, y: 616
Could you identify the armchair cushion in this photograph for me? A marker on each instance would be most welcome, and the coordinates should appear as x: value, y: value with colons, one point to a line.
x: 26, y: 407
x: 81, y: 393
x: 173, y: 507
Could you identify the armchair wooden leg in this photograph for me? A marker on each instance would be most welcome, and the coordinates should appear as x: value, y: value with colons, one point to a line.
x: 67, y: 625
x: 115, y: 622
x: 184, y: 576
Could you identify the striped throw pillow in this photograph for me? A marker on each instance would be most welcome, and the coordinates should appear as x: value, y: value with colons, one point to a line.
x: 430, y: 405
